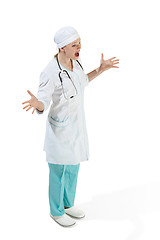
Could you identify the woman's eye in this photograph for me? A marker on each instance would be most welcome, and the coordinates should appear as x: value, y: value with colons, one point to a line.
x: 75, y: 44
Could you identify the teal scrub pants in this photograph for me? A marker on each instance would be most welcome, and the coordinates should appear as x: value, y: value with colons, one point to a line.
x: 62, y: 187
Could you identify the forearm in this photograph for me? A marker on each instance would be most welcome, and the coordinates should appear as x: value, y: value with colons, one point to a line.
x: 95, y: 73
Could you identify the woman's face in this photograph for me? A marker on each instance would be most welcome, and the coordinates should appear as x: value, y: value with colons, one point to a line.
x: 72, y: 50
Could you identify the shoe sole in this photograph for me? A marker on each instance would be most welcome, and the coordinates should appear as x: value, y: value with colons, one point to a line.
x: 61, y: 224
x: 74, y: 216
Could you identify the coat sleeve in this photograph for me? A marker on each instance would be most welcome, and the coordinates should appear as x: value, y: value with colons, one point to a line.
x: 45, y: 91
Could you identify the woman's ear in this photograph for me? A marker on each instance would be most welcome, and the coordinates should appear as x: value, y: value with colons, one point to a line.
x: 61, y: 49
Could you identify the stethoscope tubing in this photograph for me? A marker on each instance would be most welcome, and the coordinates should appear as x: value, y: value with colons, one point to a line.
x: 63, y: 70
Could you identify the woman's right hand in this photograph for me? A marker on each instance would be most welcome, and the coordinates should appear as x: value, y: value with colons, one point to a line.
x: 33, y: 102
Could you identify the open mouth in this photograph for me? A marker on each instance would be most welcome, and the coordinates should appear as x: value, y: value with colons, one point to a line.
x: 77, y: 54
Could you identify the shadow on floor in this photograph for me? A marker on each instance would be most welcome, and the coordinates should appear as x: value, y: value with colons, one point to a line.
x: 126, y: 204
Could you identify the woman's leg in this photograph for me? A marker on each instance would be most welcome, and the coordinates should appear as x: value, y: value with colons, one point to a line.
x: 56, y: 189
x: 70, y: 183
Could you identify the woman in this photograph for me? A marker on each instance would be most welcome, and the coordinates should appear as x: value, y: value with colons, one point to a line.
x: 66, y: 144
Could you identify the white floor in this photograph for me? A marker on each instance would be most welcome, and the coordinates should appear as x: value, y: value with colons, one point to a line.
x: 112, y: 211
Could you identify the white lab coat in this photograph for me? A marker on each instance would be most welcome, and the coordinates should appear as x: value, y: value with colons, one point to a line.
x: 66, y: 140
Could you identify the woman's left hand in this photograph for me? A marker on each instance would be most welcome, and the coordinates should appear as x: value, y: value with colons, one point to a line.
x: 107, y: 64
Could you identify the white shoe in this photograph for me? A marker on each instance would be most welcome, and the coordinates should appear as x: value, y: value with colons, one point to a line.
x: 64, y: 220
x: 74, y: 212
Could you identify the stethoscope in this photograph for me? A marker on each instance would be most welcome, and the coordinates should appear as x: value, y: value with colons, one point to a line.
x: 65, y: 71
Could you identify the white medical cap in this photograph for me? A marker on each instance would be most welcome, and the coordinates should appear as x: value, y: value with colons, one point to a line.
x: 65, y: 36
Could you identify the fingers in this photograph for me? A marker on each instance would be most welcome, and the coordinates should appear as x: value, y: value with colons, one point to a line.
x: 115, y: 62
x: 27, y: 106
x: 111, y: 58
x: 33, y: 110
x: 25, y: 102
x: 30, y: 93
x: 102, y: 59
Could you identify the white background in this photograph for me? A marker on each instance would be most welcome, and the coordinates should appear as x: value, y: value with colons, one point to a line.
x: 119, y: 187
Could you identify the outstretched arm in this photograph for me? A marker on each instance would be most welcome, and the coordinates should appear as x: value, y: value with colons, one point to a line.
x: 104, y: 65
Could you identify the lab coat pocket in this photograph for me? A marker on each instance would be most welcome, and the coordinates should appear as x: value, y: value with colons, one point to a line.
x: 57, y: 123
x: 61, y: 128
